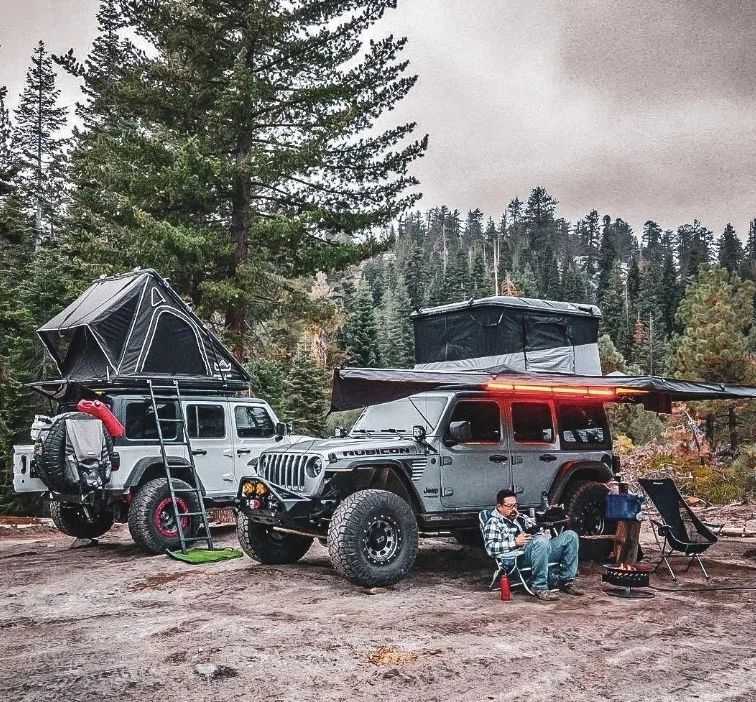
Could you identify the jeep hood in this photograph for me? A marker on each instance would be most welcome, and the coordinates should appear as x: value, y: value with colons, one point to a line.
x: 382, y: 445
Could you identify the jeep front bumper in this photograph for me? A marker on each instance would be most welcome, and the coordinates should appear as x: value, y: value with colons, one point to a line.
x: 265, y: 503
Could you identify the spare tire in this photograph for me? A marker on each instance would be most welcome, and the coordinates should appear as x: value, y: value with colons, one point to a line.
x: 72, y: 520
x: 584, y: 502
x: 50, y: 455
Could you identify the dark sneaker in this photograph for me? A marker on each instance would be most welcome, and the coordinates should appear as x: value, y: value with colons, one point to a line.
x: 571, y: 589
x: 546, y: 595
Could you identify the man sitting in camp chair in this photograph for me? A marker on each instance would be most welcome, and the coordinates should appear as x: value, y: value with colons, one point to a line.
x: 507, y: 539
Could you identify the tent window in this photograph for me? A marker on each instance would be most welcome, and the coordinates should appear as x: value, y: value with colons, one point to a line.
x: 174, y: 348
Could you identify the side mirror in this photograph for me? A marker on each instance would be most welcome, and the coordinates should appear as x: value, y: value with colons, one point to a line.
x: 459, y: 432
x: 281, y: 430
x: 418, y: 432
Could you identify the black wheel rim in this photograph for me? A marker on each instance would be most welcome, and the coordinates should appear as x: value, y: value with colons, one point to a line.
x: 381, y: 540
x: 592, y: 518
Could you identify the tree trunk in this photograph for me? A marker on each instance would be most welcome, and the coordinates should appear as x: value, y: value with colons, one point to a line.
x: 732, y: 423
x: 239, y: 216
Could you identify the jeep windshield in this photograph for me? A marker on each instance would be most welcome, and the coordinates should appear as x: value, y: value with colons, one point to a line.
x: 400, y: 416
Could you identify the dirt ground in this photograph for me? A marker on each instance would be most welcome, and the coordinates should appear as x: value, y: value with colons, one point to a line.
x: 108, y: 623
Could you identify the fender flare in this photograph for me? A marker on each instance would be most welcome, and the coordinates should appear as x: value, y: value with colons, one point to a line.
x: 144, y: 464
x: 578, y: 470
x: 371, y: 470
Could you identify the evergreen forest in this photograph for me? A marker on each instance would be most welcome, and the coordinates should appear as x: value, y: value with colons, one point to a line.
x: 242, y: 150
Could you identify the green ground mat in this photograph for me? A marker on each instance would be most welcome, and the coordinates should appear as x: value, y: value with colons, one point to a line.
x: 202, y: 555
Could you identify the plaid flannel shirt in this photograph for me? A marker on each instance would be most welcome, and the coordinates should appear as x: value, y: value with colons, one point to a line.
x: 499, y: 534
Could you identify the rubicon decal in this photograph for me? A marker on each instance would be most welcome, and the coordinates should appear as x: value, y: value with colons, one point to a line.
x: 378, y: 452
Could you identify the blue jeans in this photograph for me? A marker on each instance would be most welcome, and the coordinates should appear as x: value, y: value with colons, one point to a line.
x: 562, y: 549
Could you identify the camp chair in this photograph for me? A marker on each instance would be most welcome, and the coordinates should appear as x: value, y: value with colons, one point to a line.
x: 509, y: 565
x: 682, y: 531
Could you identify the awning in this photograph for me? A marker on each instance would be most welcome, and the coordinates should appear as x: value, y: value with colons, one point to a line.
x: 360, y: 387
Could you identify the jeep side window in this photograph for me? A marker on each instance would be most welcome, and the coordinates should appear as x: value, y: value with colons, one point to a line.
x: 205, y: 421
x: 253, y: 422
x: 582, y: 424
x: 485, y: 422
x: 531, y: 423
x: 140, y: 420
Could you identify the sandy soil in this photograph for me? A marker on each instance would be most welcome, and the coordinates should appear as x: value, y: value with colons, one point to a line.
x: 108, y: 623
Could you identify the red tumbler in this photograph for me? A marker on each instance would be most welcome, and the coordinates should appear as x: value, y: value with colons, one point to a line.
x: 506, y: 593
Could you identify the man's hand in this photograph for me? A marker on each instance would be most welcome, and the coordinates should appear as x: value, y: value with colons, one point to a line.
x: 522, y: 539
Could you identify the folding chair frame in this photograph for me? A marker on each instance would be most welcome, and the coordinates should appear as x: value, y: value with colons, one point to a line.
x: 663, y: 529
x: 516, y: 572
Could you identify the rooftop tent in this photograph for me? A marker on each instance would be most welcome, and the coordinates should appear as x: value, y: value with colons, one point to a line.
x: 360, y: 387
x: 515, y: 332
x: 134, y: 326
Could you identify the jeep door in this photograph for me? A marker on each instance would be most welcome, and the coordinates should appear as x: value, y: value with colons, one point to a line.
x: 254, y: 431
x: 534, y: 446
x: 211, y: 442
x: 469, y: 478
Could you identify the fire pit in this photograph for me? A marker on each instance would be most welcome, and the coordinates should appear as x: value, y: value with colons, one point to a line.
x: 627, y: 578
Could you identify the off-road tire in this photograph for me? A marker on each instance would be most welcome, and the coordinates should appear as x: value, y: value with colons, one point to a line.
x: 355, y: 533
x: 51, y: 462
x: 151, y: 521
x: 72, y: 520
x: 270, y: 547
x: 585, y: 503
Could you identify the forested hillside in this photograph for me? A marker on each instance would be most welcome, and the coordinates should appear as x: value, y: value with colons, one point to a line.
x: 238, y: 155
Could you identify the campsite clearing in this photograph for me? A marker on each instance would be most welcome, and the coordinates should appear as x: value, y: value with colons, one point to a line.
x: 108, y: 622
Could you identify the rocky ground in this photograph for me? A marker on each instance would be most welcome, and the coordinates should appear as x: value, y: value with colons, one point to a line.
x: 109, y: 623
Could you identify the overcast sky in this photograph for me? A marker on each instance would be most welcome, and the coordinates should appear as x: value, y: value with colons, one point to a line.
x: 643, y: 109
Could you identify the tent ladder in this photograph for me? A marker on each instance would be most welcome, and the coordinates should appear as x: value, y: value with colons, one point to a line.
x: 181, y: 431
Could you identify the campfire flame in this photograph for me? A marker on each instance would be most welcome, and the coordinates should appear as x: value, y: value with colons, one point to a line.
x: 625, y: 566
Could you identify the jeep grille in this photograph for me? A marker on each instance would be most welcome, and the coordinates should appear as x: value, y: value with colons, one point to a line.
x: 284, y: 469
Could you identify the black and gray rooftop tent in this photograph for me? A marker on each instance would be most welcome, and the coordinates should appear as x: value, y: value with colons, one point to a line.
x: 124, y: 329
x: 518, y: 333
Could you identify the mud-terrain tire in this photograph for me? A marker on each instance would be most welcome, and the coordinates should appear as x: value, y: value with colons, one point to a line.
x: 72, y: 520
x: 372, y: 538
x: 152, y: 523
x: 585, y: 503
x: 270, y: 547
x: 468, y: 537
x: 51, y: 462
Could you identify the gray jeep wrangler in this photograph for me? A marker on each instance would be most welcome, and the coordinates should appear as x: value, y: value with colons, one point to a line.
x: 426, y: 465
x: 225, y: 432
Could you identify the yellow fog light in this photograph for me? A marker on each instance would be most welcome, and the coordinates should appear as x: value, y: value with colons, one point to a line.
x: 261, y: 490
x: 248, y: 489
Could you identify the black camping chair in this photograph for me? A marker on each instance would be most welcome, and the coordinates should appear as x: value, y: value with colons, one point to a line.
x: 683, y: 532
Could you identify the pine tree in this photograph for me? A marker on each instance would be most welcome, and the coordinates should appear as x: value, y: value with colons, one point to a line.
x: 575, y: 286
x: 40, y: 146
x: 360, y: 333
x: 716, y: 314
x: 669, y: 286
x: 256, y: 158
x: 588, y: 233
x: 480, y: 284
x: 614, y: 311
x: 730, y: 250
x: 415, y: 274
x: 395, y: 334
x: 608, y: 254
x: 306, y: 386
x: 526, y: 282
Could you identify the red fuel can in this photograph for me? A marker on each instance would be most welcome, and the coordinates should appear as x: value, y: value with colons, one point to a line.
x: 506, y: 593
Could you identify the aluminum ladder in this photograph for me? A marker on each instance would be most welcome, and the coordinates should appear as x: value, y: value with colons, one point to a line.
x: 182, y: 439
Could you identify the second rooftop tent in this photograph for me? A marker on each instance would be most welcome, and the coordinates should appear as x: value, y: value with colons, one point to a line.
x: 359, y: 387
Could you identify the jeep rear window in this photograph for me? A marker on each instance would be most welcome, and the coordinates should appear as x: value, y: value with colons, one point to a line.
x: 583, y: 425
x: 140, y: 420
x: 205, y: 421
x: 253, y: 422
x: 531, y: 423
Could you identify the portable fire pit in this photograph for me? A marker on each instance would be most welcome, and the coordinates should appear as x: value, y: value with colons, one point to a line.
x: 627, y: 578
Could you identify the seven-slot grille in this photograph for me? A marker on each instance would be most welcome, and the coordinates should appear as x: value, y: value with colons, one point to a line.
x: 284, y: 469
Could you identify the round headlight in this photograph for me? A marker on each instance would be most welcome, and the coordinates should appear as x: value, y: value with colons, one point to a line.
x: 248, y: 489
x: 314, y: 467
x: 261, y: 490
